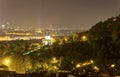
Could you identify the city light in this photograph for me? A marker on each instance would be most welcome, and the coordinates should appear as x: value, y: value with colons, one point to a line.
x: 54, y: 60
x: 112, y: 66
x: 96, y: 68
x: 3, y: 26
x: 84, y: 38
x: 84, y: 64
x: 48, y: 37
x: 91, y: 61
x: 47, y: 40
x: 78, y: 66
x: 6, y: 61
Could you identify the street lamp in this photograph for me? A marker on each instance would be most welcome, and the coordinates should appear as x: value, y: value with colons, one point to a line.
x: 6, y: 61
x: 54, y: 60
x: 84, y: 38
x: 96, y: 68
x: 112, y: 66
x: 91, y: 61
x: 78, y: 66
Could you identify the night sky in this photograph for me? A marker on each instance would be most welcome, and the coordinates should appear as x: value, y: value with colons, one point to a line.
x: 77, y: 14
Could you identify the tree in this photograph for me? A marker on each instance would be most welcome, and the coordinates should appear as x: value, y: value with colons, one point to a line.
x: 104, y: 37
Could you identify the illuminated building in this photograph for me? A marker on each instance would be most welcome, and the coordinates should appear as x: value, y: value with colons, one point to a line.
x: 47, y: 40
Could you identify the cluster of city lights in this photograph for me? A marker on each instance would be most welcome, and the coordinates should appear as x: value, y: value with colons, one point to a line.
x: 84, y: 64
x: 79, y: 65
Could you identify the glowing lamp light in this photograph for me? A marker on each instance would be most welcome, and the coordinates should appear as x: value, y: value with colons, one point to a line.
x: 78, y: 66
x: 3, y: 26
x: 91, y: 61
x: 96, y: 68
x: 48, y: 37
x: 6, y: 62
x: 84, y: 38
x: 113, y: 65
x: 54, y: 60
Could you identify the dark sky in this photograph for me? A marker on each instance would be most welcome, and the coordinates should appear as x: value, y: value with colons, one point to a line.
x: 59, y: 13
